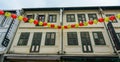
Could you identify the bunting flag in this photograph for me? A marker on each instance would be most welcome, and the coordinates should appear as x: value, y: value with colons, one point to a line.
x: 40, y: 23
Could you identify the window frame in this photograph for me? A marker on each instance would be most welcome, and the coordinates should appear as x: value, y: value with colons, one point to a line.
x: 72, y: 38
x: 52, y: 18
x: 36, y: 42
x: 93, y: 18
x: 20, y: 43
x: 86, y: 42
x: 31, y: 16
x: 70, y: 20
x: 35, y: 37
x: 81, y: 18
x: 50, y: 39
x: 104, y: 43
x: 41, y: 18
x: 88, y: 37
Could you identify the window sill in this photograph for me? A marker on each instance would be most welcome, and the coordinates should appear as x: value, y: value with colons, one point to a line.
x: 102, y: 45
x: 73, y: 45
x: 21, y: 46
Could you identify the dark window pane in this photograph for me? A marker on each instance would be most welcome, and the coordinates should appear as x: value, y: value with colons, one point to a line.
x: 52, y: 18
x: 108, y: 15
x: 72, y: 38
x: 86, y: 42
x: 85, y: 38
x: 37, y: 38
x: 41, y: 18
x: 98, y: 38
x: 70, y: 17
x: 36, y: 42
x: 50, y: 38
x: 92, y: 16
x: 30, y: 16
x: 81, y: 17
x: 23, y: 39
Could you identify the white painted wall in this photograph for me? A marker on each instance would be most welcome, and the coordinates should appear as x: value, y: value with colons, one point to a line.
x: 97, y: 49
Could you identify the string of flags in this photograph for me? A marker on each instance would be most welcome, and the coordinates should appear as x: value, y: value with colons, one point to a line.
x: 40, y: 23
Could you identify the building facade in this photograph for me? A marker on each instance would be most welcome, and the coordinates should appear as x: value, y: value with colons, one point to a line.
x: 7, y: 30
x: 33, y: 43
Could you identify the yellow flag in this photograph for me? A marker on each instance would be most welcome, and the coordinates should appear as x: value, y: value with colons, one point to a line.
x: 31, y: 20
x: 95, y: 21
x: 106, y: 19
x: 85, y: 23
x: 20, y: 18
x: 118, y: 16
x: 69, y: 26
x: 48, y: 24
x: 56, y: 27
x: 62, y: 27
x: 40, y: 23
x: 7, y: 14
x: 77, y: 25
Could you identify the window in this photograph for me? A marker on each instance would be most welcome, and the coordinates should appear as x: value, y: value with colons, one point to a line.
x: 108, y: 15
x: 35, y: 46
x: 41, y: 18
x: 98, y: 38
x: 81, y: 17
x: 37, y: 38
x: 30, y: 16
x: 50, y: 38
x: 52, y: 18
x: 92, y: 16
x: 23, y: 39
x: 70, y: 17
x: 72, y: 38
x: 86, y: 42
x: 85, y: 38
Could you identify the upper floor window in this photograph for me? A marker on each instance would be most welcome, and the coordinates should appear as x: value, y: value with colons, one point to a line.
x: 108, y: 15
x: 30, y: 16
x: 41, y: 18
x: 70, y: 17
x: 23, y: 40
x: 81, y: 18
x: 50, y: 38
x: 98, y: 38
x: 92, y: 16
x: 52, y: 18
x: 72, y: 38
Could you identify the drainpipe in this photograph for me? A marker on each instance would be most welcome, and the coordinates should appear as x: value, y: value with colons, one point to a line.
x: 105, y: 26
x: 61, y: 31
